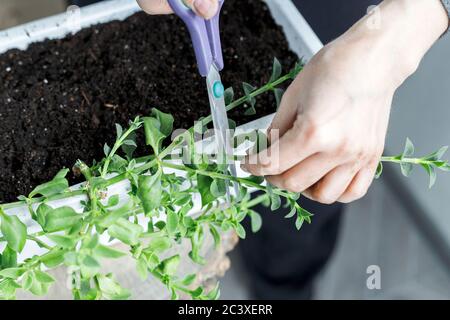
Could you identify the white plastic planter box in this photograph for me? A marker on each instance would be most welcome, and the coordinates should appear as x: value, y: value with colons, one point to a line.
x: 301, y: 38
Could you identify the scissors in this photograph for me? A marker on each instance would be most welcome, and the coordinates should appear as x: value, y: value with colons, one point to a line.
x: 205, y: 35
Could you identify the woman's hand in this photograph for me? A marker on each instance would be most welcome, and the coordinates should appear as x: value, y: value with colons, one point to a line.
x: 332, y: 122
x: 204, y: 8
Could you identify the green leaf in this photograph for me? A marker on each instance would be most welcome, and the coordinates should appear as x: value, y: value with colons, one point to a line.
x: 197, y: 292
x: 53, y: 258
x: 248, y: 90
x: 240, y: 231
x: 12, y: 273
x: 37, y: 287
x: 229, y: 95
x: 275, y: 199
x: 160, y: 244
x: 62, y: 241
x: 43, y: 277
x: 106, y: 150
x: 119, y: 131
x: 89, y: 267
x: 306, y: 215
x: 250, y: 111
x: 166, y: 121
x: 14, y: 231
x: 108, y: 252
x: 218, y: 188
x: 129, y: 148
x: 255, y: 179
x: 91, y: 242
x: 438, y: 155
x: 275, y: 202
x: 141, y: 267
x: 61, y: 219
x: 256, y: 221
x: 215, y: 293
x: 296, y: 70
x: 41, y: 214
x: 170, y: 265
x: 379, y: 170
x: 189, y: 280
x: 172, y: 222
x: 409, y: 149
x: 113, y: 201
x: 216, y: 236
x: 197, y: 240
x: 232, y: 124
x: 150, y: 191
x: 9, y: 258
x: 58, y: 185
x: 276, y: 70
x: 173, y: 294
x: 112, y: 216
x: 111, y: 289
x: 278, y: 93
x: 8, y: 289
x: 204, y: 187
x: 299, y: 222
x: 153, y: 134
x: 27, y: 281
x: 406, y: 168
x: 126, y: 231
x: 431, y: 173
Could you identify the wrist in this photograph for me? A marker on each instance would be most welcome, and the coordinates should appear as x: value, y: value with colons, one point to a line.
x: 396, y: 35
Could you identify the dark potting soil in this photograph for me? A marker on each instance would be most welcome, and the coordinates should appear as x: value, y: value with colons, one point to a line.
x: 59, y: 99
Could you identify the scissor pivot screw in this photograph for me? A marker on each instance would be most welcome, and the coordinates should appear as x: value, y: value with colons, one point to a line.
x: 218, y: 89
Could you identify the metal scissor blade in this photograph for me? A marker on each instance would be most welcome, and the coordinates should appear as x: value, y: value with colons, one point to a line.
x: 221, y: 127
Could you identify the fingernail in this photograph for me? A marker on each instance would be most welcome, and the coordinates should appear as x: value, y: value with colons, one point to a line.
x: 203, y: 7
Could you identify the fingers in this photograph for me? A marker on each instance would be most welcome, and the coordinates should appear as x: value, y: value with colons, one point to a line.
x: 155, y: 6
x: 204, y: 8
x: 360, y: 184
x: 331, y: 187
x: 305, y: 174
x: 283, y: 154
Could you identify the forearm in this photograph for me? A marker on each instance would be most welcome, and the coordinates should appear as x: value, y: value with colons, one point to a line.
x: 398, y: 34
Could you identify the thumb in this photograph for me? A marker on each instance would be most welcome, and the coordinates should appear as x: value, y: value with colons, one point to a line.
x: 204, y: 8
x: 155, y: 6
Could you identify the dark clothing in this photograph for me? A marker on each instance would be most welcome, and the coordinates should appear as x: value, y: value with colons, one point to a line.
x: 82, y: 3
x: 331, y: 18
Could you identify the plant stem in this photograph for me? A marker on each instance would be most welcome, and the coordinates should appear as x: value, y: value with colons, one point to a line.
x: 258, y: 200
x: 398, y: 160
x: 116, y: 147
x: 39, y: 242
x: 268, y: 87
x: 217, y: 175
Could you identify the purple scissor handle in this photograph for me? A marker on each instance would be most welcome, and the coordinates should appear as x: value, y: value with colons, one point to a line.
x: 205, y: 35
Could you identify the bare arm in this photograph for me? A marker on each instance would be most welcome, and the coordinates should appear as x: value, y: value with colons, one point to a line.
x: 333, y: 119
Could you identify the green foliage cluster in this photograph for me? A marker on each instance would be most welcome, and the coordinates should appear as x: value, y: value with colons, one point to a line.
x: 155, y: 215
